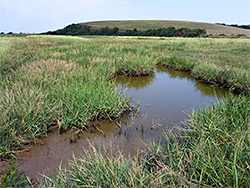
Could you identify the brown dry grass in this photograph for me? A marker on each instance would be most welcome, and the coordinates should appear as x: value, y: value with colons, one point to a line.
x: 46, y: 42
x: 46, y: 68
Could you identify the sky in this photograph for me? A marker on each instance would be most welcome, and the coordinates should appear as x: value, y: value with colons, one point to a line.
x: 37, y: 16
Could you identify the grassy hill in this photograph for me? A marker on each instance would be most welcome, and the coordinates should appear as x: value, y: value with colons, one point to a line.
x: 214, y: 29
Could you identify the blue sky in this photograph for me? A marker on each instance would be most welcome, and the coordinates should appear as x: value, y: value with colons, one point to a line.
x: 44, y: 15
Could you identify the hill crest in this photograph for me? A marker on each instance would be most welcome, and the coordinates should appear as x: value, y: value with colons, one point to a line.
x: 210, y: 28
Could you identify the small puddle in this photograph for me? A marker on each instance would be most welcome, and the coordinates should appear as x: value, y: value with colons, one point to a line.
x: 164, y: 96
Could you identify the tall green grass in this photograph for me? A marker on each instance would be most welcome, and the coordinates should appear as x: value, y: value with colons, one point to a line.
x: 47, y: 93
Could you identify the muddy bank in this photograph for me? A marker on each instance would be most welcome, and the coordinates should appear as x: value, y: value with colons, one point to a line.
x: 134, y: 73
x: 222, y: 83
x: 175, y: 68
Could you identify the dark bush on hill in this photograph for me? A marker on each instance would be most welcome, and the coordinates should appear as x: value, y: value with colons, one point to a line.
x: 79, y: 29
x: 236, y: 25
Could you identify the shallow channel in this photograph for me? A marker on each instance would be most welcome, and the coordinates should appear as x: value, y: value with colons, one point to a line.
x: 164, y: 97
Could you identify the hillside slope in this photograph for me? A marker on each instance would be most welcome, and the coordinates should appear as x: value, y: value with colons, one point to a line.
x: 214, y: 29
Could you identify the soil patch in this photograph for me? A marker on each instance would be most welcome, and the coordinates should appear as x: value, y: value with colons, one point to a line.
x: 133, y: 73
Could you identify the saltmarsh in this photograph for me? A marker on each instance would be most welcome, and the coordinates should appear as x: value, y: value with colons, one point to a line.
x: 213, y: 151
x: 66, y: 82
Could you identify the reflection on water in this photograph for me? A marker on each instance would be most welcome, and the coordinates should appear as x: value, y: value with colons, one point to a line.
x: 135, y: 82
x: 205, y: 89
x: 164, y: 96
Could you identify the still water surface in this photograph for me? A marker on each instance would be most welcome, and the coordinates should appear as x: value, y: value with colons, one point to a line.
x: 163, y: 96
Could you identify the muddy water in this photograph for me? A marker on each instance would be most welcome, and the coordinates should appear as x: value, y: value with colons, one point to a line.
x: 164, y: 96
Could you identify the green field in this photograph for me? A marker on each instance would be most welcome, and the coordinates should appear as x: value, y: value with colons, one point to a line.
x: 156, y: 24
x: 61, y: 82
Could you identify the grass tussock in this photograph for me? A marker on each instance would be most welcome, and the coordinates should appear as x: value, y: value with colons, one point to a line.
x: 176, y: 63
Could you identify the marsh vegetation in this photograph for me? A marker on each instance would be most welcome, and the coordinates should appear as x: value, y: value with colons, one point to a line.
x: 58, y: 82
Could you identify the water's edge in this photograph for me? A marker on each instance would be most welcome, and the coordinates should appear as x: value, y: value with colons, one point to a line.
x: 164, y: 95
